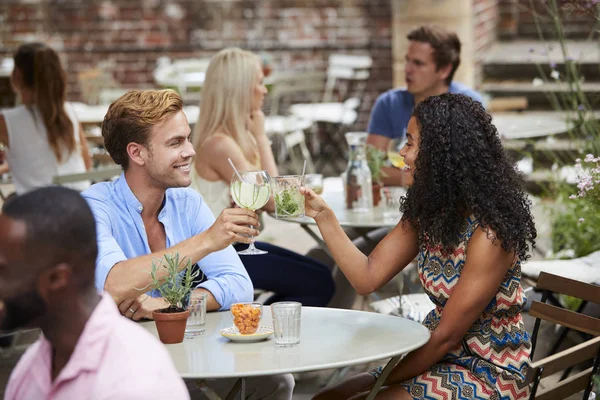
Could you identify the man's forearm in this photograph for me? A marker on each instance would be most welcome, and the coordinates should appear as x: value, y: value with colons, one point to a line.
x: 129, y: 279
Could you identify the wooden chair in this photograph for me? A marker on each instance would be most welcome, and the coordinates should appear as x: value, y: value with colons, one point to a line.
x: 566, y: 359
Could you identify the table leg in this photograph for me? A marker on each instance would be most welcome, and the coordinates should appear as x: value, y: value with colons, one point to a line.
x: 384, y: 374
x: 240, y: 384
x: 207, y: 390
x: 243, y: 389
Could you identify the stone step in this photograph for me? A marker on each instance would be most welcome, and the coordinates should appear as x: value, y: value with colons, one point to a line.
x: 520, y: 59
x: 537, y: 94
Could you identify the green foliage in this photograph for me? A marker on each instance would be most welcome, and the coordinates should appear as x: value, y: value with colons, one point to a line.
x: 286, y: 203
x: 376, y: 160
x: 576, y: 227
x: 177, y: 284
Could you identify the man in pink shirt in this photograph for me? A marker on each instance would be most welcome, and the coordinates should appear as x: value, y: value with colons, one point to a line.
x: 87, y: 349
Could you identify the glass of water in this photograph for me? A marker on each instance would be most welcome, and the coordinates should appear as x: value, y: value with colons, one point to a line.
x: 197, y: 318
x: 286, y: 323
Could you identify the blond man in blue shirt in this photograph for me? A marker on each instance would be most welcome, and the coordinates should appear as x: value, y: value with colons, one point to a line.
x: 149, y: 211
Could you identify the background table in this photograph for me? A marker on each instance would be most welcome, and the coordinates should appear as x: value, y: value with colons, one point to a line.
x: 330, y: 338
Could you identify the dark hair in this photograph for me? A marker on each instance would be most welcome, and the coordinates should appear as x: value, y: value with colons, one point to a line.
x: 42, y: 72
x: 60, y: 228
x: 446, y: 46
x: 131, y: 118
x: 461, y: 167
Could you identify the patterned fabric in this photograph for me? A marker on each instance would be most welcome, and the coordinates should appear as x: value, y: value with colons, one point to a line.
x: 492, y: 360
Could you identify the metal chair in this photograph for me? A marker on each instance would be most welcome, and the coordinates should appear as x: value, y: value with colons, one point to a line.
x: 566, y: 359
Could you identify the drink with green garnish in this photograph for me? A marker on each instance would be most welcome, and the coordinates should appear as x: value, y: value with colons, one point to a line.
x: 289, y: 202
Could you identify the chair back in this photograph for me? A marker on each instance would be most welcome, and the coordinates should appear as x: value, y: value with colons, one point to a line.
x: 354, y: 70
x: 569, y: 358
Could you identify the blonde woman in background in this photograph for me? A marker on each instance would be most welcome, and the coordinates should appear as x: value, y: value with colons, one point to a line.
x: 232, y: 125
x: 42, y: 136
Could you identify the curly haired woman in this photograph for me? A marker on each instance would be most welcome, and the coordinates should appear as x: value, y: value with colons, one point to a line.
x: 467, y: 220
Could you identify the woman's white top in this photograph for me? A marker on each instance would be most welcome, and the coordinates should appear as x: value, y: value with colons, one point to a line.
x: 214, y: 193
x: 30, y: 157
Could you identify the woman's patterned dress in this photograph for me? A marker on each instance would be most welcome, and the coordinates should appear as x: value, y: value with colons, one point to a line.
x: 492, y: 360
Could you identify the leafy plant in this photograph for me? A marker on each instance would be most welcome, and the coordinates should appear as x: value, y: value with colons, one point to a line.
x: 376, y: 160
x: 178, y: 282
x: 286, y: 203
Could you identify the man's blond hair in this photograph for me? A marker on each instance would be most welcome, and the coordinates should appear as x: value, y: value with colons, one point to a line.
x: 131, y: 118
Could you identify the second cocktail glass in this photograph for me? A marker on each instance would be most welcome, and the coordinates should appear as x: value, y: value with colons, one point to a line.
x: 289, y: 202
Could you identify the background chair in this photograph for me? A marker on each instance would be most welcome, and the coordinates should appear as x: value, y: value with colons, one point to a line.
x: 566, y: 359
x: 347, y: 77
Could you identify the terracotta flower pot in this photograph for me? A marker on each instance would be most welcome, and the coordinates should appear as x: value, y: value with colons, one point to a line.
x: 376, y: 194
x: 170, y: 325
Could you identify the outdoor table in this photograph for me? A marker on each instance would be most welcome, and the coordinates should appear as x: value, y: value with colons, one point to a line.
x: 330, y: 338
x: 94, y: 115
x: 530, y: 125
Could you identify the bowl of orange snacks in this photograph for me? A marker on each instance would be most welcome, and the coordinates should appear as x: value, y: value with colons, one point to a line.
x: 246, y: 317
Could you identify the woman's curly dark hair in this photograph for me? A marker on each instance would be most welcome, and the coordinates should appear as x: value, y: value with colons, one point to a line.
x: 461, y: 167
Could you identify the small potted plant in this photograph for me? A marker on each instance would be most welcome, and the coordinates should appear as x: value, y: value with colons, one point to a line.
x: 175, y: 287
x: 376, y: 160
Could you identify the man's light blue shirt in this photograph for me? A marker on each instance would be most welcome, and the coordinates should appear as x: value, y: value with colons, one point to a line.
x: 393, y: 109
x: 121, y: 236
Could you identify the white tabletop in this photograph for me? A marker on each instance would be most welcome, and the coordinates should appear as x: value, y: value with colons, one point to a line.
x: 87, y: 114
x: 333, y: 194
x: 279, y: 124
x: 529, y: 125
x: 330, y: 338
x: 326, y: 112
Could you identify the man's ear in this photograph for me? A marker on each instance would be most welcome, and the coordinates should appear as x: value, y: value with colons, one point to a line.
x: 137, y: 153
x: 54, y: 279
x: 445, y: 71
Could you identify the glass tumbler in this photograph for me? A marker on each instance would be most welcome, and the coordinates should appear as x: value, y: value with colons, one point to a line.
x: 286, y: 323
x: 197, y: 317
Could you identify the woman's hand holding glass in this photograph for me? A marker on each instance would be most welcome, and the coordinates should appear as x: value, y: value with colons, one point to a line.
x: 314, y: 205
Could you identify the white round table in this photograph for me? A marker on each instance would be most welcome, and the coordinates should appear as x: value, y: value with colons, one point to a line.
x: 330, y: 338
x: 530, y: 125
x: 335, y: 113
x: 94, y: 115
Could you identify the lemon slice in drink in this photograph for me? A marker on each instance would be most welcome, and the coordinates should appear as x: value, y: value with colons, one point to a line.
x: 397, y: 160
x: 250, y: 196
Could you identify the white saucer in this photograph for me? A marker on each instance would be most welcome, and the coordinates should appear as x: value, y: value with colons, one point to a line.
x: 234, y: 335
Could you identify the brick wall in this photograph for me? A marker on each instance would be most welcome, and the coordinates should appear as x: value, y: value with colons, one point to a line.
x: 130, y: 35
x: 485, y: 23
x: 517, y: 19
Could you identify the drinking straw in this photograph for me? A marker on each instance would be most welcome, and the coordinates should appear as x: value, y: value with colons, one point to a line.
x: 303, y: 170
x: 235, y: 169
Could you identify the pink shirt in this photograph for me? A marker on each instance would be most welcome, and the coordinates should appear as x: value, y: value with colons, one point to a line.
x: 114, y: 359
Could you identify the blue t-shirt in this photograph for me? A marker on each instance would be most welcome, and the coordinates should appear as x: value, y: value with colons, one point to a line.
x: 121, y: 236
x: 393, y: 109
